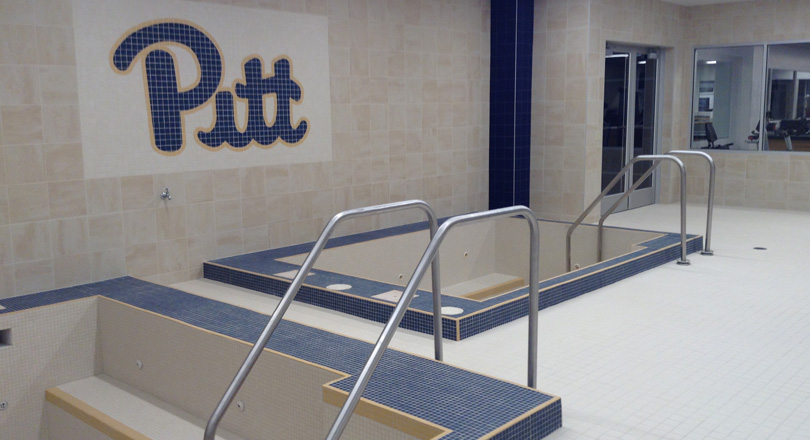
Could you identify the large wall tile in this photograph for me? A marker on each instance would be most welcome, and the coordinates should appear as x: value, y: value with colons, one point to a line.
x: 103, y: 195
x: 24, y: 164
x: 67, y: 199
x: 137, y: 192
x: 254, y: 212
x: 33, y: 276
x: 16, y: 12
x: 105, y: 231
x: 55, y: 46
x: 53, y: 12
x: 19, y: 85
x: 142, y: 260
x: 63, y: 162
x: 18, y: 44
x: 6, y: 249
x: 172, y: 255
x: 28, y: 203
x: 72, y: 270
x: 31, y: 241
x: 61, y: 124
x: 200, y: 219
x: 199, y: 186
x: 106, y: 264
x: 58, y: 85
x: 226, y: 184
x: 228, y: 214
x: 69, y: 236
x: 171, y: 222
x: 22, y: 125
x: 252, y: 182
x: 7, y: 287
x: 140, y: 227
x: 4, y: 216
x: 229, y: 243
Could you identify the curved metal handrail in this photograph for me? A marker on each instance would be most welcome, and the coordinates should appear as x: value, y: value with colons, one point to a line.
x: 616, y: 179
x: 656, y: 159
x: 309, y: 262
x: 710, y: 208
x: 430, y: 255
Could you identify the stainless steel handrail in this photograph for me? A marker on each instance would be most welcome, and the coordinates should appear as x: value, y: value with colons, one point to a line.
x: 657, y: 159
x: 430, y: 254
x: 309, y: 262
x: 710, y: 208
x: 607, y: 189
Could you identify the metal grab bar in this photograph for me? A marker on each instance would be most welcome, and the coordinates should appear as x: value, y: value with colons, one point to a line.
x: 430, y: 254
x: 610, y: 186
x: 657, y: 159
x: 710, y: 208
x: 284, y: 304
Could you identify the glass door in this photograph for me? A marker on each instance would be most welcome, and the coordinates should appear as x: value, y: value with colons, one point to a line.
x: 629, y: 129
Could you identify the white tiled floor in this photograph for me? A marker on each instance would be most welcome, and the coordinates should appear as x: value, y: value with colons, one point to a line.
x: 716, y: 350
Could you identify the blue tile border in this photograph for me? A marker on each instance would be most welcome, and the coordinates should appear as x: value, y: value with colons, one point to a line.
x: 255, y: 271
x: 470, y: 405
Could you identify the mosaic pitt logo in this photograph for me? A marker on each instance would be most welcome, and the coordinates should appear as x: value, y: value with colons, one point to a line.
x: 168, y: 102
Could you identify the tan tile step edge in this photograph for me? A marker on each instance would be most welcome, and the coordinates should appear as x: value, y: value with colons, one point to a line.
x: 92, y: 416
x: 406, y: 423
x: 126, y: 413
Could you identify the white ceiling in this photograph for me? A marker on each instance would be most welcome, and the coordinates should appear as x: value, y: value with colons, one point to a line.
x: 703, y: 2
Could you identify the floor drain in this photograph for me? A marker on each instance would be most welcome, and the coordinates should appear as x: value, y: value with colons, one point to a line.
x: 760, y: 248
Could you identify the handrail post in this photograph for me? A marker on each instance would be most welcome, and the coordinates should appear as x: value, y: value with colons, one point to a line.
x: 710, y: 208
x: 656, y: 159
x: 636, y: 184
x: 292, y: 291
x: 588, y: 210
x: 402, y: 306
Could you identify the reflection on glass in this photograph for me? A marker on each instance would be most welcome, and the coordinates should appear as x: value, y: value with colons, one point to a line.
x: 726, y: 97
x: 614, y: 127
x: 644, y: 124
x: 787, y: 98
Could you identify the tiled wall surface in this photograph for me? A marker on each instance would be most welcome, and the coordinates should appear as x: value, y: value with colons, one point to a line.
x: 776, y: 180
x: 49, y: 346
x: 568, y: 92
x: 570, y: 39
x: 409, y: 83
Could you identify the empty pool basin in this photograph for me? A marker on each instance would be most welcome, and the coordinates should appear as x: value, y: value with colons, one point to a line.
x: 484, y: 268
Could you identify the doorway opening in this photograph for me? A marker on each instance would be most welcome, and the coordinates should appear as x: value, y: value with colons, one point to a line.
x: 630, y: 126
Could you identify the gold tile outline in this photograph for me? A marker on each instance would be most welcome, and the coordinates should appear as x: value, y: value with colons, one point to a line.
x: 91, y: 416
x: 385, y: 415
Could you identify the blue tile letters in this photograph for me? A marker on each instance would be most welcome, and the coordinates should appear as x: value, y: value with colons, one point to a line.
x: 167, y: 102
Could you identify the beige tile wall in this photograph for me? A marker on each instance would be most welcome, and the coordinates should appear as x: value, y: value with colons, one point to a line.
x: 776, y: 180
x: 566, y: 159
x: 292, y: 408
x: 568, y: 91
x: 49, y: 346
x: 409, y: 84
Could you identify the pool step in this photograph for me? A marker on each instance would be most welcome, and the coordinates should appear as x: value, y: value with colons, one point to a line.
x: 485, y: 286
x: 100, y: 407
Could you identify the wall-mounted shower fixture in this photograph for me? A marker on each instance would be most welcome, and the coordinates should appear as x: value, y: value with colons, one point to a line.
x: 166, y: 195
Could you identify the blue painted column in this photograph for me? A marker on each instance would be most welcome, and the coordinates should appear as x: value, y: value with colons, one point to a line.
x: 510, y: 106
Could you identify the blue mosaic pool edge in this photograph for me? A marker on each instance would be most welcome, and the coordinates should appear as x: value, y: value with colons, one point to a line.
x: 491, y: 313
x: 459, y: 393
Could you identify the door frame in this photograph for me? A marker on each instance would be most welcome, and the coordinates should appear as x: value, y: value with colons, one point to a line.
x: 645, y: 196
